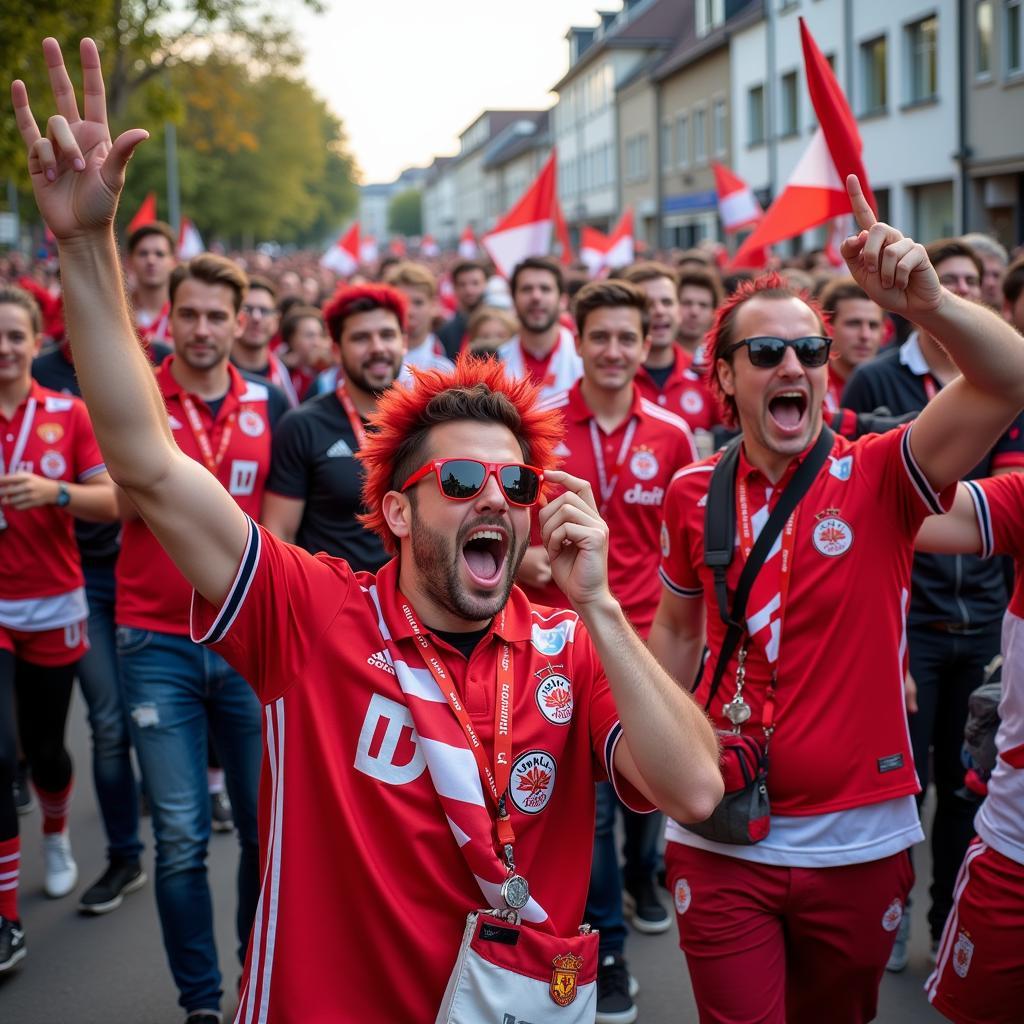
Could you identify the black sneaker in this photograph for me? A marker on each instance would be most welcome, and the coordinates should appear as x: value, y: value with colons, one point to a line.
x: 12, y: 943
x: 108, y: 891
x: 646, y: 911
x: 615, y: 991
x: 24, y: 802
x: 220, y: 812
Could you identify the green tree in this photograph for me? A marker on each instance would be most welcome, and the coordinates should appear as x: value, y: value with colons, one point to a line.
x: 405, y: 213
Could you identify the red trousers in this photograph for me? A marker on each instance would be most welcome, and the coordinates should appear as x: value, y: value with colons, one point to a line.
x: 781, y: 945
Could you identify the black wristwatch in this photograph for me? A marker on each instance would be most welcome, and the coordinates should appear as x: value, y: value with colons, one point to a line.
x: 63, y: 496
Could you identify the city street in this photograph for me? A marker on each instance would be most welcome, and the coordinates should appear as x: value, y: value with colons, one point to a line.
x: 84, y: 970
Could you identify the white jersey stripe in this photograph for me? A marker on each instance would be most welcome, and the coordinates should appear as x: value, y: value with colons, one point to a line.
x: 418, y: 682
x: 454, y: 771
x: 275, y: 877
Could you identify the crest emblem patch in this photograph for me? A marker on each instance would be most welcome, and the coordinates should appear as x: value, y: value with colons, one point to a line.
x: 563, y: 978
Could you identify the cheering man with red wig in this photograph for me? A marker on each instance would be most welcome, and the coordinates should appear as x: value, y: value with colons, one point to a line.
x: 432, y: 739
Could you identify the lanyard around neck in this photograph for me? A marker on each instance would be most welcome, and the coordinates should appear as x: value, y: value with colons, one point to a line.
x: 607, y: 486
x: 195, y: 421
x: 22, y: 440
x: 354, y: 419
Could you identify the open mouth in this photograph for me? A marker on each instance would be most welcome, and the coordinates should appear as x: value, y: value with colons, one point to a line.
x: 484, y: 554
x: 788, y: 409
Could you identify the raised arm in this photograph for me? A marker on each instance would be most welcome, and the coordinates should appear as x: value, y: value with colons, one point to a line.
x: 77, y: 175
x: 957, y: 428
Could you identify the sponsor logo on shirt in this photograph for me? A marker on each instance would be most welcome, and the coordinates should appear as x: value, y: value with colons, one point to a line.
x: 53, y: 465
x: 174, y: 423
x: 50, y: 433
x: 841, y: 469
x: 550, y: 641
x: 963, y: 951
x: 643, y: 465
x: 681, y: 896
x: 339, y: 450
x: 243, y: 476
x: 554, y: 698
x: 636, y: 495
x: 251, y: 423
x: 533, y: 781
x: 380, y: 660
x: 832, y: 536
x: 892, y: 916
x: 692, y: 402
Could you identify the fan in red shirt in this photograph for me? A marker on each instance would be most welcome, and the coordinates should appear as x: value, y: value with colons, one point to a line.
x: 856, y: 325
x: 379, y: 823
x: 50, y: 471
x: 812, y: 909
x: 151, y: 259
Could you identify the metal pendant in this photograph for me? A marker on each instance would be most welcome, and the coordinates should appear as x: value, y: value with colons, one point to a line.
x: 737, y: 710
x: 515, y: 892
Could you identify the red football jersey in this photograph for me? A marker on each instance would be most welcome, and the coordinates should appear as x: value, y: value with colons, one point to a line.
x: 653, y: 445
x: 362, y: 875
x: 841, y: 739
x: 50, y: 435
x: 686, y: 393
x: 151, y: 592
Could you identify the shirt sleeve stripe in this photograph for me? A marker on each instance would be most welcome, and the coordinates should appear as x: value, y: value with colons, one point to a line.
x: 918, y: 479
x: 984, y: 516
x: 614, y: 735
x: 92, y: 471
x: 239, y: 589
x: 678, y: 590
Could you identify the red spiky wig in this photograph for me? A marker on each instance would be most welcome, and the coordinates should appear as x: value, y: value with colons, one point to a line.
x: 720, y: 335
x: 404, y: 413
x: 350, y: 299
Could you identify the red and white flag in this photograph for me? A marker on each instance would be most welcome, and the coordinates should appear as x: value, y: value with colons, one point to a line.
x: 527, y: 229
x: 816, y: 190
x: 468, y: 249
x: 429, y: 247
x: 190, y: 242
x: 593, y: 249
x: 737, y: 205
x: 368, y: 250
x: 602, y: 253
x: 343, y: 256
x: 565, y: 253
x: 146, y: 213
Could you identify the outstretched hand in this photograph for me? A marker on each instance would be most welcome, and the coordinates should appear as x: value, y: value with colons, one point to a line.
x: 77, y: 172
x: 894, y: 270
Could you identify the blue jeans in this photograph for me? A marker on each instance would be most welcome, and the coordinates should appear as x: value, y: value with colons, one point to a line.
x: 175, y: 691
x: 112, y: 772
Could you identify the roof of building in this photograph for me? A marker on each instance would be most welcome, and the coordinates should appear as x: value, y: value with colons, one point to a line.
x: 517, y: 138
x: 689, y: 47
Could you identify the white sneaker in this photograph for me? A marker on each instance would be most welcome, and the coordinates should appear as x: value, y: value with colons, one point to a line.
x: 60, y: 867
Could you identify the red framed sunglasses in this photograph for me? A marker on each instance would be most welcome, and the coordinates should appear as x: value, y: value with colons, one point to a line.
x: 463, y: 479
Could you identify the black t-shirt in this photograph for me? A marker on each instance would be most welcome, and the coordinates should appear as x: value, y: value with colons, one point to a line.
x: 660, y: 374
x: 962, y: 589
x: 451, y: 334
x: 314, y: 461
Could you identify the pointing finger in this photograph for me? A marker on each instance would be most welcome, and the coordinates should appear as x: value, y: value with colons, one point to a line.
x: 63, y: 90
x: 862, y: 211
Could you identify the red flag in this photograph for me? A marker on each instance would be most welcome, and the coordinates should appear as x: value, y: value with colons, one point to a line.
x: 562, y: 235
x: 343, y: 256
x: 737, y: 205
x: 527, y: 229
x: 593, y: 249
x: 397, y: 247
x: 146, y: 213
x: 621, y: 247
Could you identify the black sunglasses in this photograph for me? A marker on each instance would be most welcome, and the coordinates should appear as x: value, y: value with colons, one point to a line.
x: 462, y: 479
x: 768, y: 352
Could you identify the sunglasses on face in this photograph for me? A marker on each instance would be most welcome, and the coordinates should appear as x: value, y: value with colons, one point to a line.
x: 768, y: 352
x: 462, y: 479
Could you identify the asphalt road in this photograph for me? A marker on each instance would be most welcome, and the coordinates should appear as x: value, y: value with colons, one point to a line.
x: 111, y: 970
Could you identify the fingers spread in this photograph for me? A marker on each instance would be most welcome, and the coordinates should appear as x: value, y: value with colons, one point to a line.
x: 862, y: 211
x: 63, y: 90
x: 92, y: 83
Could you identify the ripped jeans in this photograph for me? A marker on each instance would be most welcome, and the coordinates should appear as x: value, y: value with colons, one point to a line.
x: 176, y: 692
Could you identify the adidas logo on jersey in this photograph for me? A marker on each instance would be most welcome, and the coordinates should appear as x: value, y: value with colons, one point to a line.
x: 339, y: 450
x: 380, y: 659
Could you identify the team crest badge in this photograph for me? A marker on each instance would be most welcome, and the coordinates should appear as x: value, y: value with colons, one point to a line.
x: 563, y: 978
x: 533, y: 781
x: 551, y: 641
x: 643, y: 465
x: 681, y: 896
x: 50, y: 433
x: 554, y: 698
x: 53, y: 465
x: 251, y: 423
x: 892, y: 916
x: 692, y: 402
x: 963, y: 951
x: 832, y: 536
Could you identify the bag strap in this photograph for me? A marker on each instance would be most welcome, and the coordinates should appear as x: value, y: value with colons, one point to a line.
x: 720, y: 539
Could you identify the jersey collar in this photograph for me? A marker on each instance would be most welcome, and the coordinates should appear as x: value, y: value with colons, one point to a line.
x: 579, y: 412
x: 746, y: 469
x: 170, y: 388
x: 683, y: 363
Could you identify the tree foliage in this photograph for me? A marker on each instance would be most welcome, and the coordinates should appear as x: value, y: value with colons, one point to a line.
x: 405, y: 213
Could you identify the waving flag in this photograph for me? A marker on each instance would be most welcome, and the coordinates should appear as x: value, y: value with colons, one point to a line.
x: 343, y: 256
x: 737, y: 205
x: 601, y: 252
x: 146, y: 213
x: 190, y: 242
x: 527, y: 229
x: 468, y: 249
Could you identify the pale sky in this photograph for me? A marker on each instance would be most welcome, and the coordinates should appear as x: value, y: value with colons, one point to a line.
x: 406, y: 76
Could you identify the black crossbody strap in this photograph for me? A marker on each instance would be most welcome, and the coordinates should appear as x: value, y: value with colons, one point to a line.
x: 720, y: 515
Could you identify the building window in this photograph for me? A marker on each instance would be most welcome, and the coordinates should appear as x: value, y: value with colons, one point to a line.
x: 789, y: 102
x: 682, y: 154
x: 719, y: 129
x: 923, y: 63
x: 710, y: 14
x: 874, y: 61
x: 755, y: 115
x: 983, y: 38
x: 1014, y: 31
x: 637, y: 157
x: 700, y: 136
x: 666, y: 145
